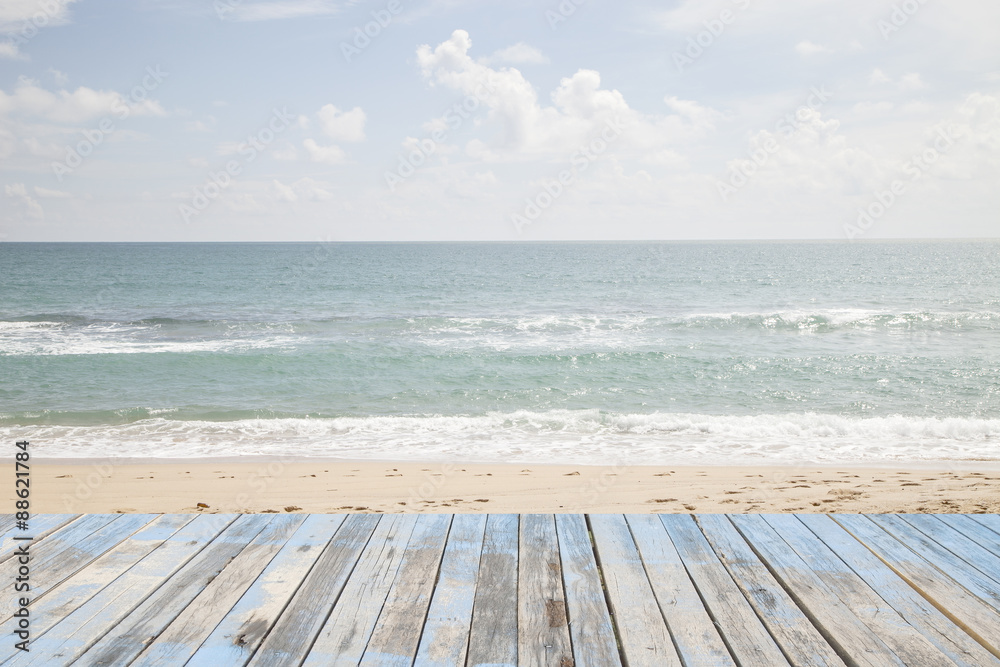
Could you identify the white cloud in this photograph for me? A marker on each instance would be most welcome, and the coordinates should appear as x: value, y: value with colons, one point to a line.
x: 581, y: 110
x: 61, y: 78
x: 10, y: 51
x: 807, y: 48
x: 283, y: 193
x: 287, y: 9
x: 40, y: 13
x: 332, y: 154
x: 911, y: 81
x: 45, y: 193
x: 517, y: 54
x: 342, y: 125
x: 878, y: 77
x: 72, y: 108
x: 286, y: 153
x: 23, y: 205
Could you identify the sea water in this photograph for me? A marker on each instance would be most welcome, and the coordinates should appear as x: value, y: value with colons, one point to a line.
x: 630, y: 353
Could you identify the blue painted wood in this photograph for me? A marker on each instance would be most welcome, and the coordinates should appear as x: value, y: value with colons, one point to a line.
x: 493, y: 640
x: 296, y: 629
x: 849, y: 634
x: 114, y: 625
x: 918, y: 612
x: 445, y: 639
x: 200, y: 614
x: 964, y: 608
x: 396, y: 636
x: 40, y: 526
x: 974, y: 530
x: 240, y: 633
x: 542, y: 625
x: 965, y: 548
x: 589, y: 618
x: 879, y: 614
x: 642, y: 632
x: 346, y: 632
x: 799, y: 639
x: 958, y: 569
x: 73, y: 592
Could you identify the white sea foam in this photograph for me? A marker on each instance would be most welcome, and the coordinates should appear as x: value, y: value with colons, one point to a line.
x: 558, y: 436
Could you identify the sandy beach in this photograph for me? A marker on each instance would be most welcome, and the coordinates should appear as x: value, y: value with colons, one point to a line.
x: 226, y: 485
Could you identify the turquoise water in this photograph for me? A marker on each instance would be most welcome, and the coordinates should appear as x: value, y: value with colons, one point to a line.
x: 583, y: 352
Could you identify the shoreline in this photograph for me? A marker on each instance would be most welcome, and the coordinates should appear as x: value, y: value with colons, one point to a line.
x: 268, y: 484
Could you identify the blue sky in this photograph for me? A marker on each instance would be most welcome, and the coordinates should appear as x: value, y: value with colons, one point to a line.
x: 184, y: 120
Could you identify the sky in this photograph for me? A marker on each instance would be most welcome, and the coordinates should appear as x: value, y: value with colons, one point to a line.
x: 453, y: 120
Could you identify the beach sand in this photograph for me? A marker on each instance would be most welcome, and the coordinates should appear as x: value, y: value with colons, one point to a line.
x: 227, y: 485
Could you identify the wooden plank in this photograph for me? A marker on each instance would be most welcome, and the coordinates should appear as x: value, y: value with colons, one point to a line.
x: 493, y: 638
x: 698, y: 597
x: 57, y: 558
x: 73, y: 592
x: 983, y: 587
x: 968, y: 550
x: 296, y: 628
x: 7, y: 522
x: 178, y: 641
x: 345, y: 634
x: 445, y: 640
x: 991, y: 521
x: 800, y: 641
x: 963, y: 608
x: 589, y: 619
x: 974, y: 530
x: 908, y: 643
x: 920, y: 613
x: 542, y: 626
x: 109, y: 614
x: 396, y: 636
x: 643, y: 634
x: 63, y: 537
x: 240, y: 633
x: 828, y: 612
x: 41, y: 526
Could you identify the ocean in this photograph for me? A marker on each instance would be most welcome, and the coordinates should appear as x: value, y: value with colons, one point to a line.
x: 627, y: 353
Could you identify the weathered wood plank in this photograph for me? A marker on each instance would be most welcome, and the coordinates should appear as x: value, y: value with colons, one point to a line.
x: 396, y: 636
x: 296, y: 628
x: 974, y: 530
x: 589, y: 618
x: 921, y: 614
x: 542, y: 626
x: 964, y: 548
x: 977, y: 583
x: 59, y: 538
x: 178, y: 641
x: 445, y: 640
x: 954, y: 601
x: 690, y: 584
x: 240, y: 633
x: 991, y: 521
x: 881, y: 617
x: 644, y: 636
x: 343, y: 638
x: 67, y: 596
x: 57, y: 558
x: 41, y: 526
x: 696, y: 638
x: 493, y: 639
x: 800, y: 641
x: 112, y: 612
x: 832, y: 616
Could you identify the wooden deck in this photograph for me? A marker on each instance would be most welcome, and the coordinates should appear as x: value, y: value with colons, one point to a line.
x: 438, y: 589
